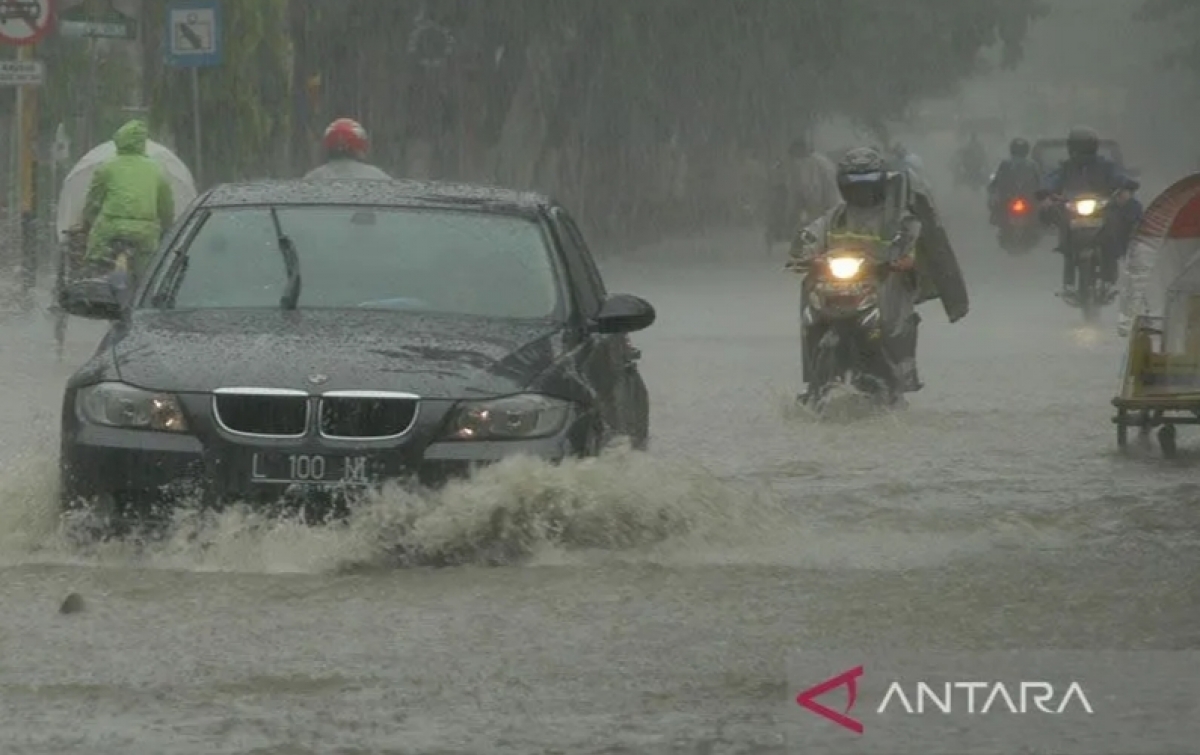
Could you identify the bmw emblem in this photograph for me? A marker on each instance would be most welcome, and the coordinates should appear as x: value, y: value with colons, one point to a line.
x: 318, y: 379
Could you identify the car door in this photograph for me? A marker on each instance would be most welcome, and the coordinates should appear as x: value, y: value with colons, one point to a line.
x: 601, y: 358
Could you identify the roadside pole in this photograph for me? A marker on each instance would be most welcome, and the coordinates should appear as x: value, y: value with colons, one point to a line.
x: 24, y: 25
x: 197, y: 133
x: 60, y: 155
x: 194, y: 41
x: 94, y: 20
x: 27, y: 107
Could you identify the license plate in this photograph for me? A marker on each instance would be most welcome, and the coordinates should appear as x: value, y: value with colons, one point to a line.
x: 310, y: 469
x: 1087, y: 222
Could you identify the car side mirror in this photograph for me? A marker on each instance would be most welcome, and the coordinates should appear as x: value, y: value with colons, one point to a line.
x: 624, y: 313
x: 94, y: 299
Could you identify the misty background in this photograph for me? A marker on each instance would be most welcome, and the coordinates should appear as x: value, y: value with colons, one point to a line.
x: 649, y: 119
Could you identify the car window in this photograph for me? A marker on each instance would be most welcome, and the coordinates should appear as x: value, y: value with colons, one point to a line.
x: 585, y: 255
x: 581, y: 284
x: 443, y: 261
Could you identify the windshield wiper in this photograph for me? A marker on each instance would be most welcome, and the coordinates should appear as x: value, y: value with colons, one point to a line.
x: 291, y: 261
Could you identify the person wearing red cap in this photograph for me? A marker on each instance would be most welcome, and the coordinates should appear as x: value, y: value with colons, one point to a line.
x: 346, y: 145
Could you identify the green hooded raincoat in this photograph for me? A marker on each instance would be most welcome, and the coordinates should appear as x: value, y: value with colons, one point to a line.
x: 129, y: 197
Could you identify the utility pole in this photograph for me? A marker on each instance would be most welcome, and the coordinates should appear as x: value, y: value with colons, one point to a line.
x: 25, y: 26
x: 27, y: 108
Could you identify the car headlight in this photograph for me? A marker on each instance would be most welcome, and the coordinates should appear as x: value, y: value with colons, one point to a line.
x: 120, y: 405
x: 844, y: 268
x: 1085, y: 207
x: 528, y: 415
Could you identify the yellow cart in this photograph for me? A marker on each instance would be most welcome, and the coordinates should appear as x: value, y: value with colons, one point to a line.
x: 1159, y: 390
x: 1160, y: 381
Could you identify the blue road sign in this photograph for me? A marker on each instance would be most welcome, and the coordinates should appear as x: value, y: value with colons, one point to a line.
x: 194, y: 33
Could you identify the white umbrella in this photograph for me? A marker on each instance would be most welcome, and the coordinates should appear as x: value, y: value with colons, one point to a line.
x: 73, y: 195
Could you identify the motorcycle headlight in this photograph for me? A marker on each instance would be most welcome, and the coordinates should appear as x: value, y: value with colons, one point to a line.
x: 1085, y: 207
x: 844, y: 268
x: 120, y: 405
x: 528, y: 415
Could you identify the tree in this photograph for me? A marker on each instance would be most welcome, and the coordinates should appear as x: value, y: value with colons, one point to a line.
x: 244, y: 103
x: 611, y: 104
x: 1183, y: 15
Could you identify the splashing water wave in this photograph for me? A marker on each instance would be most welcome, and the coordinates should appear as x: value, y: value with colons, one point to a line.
x: 517, y: 511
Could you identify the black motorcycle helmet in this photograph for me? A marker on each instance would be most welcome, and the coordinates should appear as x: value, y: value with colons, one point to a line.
x: 1083, y: 142
x: 1018, y: 148
x: 862, y: 178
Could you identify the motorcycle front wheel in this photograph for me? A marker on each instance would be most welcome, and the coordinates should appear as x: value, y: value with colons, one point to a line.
x: 1089, y: 299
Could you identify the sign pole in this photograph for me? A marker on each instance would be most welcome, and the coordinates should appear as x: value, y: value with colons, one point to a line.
x: 193, y: 37
x: 27, y: 176
x: 24, y: 25
x: 196, y: 130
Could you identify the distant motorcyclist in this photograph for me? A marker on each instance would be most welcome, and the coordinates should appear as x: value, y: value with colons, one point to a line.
x: 1123, y: 217
x: 1018, y: 175
x: 129, y: 199
x: 1084, y: 171
x: 811, y: 180
x: 905, y: 159
x: 866, y: 214
x: 346, y: 145
x: 971, y: 162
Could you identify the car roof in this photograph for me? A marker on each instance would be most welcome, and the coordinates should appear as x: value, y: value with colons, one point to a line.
x: 396, y: 193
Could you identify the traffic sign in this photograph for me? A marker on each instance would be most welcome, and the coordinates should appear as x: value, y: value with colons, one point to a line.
x: 194, y: 33
x: 25, y: 22
x: 97, y: 19
x: 22, y: 73
x: 430, y: 43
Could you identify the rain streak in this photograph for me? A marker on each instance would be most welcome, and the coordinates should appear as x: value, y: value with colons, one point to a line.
x: 458, y: 377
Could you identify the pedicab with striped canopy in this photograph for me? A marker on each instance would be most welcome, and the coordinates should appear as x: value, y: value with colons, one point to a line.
x: 1160, y: 380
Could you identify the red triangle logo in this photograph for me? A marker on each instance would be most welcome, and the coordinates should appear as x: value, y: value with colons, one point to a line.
x: 848, y: 679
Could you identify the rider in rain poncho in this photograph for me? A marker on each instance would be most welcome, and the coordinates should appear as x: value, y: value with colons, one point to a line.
x: 346, y: 145
x: 865, y: 215
x: 129, y: 198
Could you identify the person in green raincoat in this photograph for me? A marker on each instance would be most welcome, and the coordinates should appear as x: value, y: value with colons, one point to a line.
x: 129, y: 198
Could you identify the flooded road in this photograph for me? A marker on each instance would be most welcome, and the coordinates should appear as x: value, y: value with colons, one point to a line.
x: 648, y: 602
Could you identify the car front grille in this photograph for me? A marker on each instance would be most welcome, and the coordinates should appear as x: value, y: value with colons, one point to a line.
x: 367, y: 414
x: 262, y: 411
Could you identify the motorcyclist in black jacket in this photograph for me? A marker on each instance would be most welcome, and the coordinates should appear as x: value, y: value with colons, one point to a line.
x: 1018, y: 175
x: 1084, y: 170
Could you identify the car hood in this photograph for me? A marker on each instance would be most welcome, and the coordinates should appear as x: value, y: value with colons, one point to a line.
x: 323, y: 350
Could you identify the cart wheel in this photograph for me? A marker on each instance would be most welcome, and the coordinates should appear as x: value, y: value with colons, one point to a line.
x: 1122, y: 429
x: 1166, y: 440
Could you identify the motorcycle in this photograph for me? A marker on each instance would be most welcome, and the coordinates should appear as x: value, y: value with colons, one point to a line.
x: 842, y: 294
x: 1086, y: 215
x: 1019, y: 231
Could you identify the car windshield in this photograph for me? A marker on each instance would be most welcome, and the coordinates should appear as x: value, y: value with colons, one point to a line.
x: 425, y: 260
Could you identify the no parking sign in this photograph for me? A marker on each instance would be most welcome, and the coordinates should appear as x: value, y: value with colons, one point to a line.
x: 25, y: 22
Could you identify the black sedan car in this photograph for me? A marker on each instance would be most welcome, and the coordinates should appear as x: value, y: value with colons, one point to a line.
x: 295, y: 339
